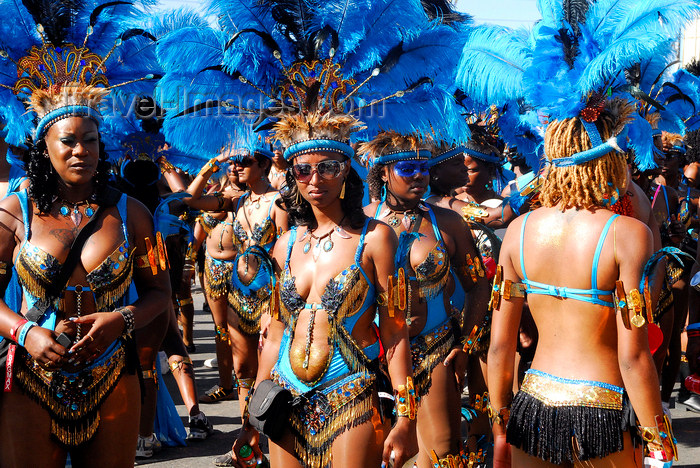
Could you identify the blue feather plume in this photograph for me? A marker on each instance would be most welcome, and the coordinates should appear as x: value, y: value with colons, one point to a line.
x: 406, y: 240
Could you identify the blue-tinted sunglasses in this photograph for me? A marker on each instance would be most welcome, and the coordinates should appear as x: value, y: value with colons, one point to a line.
x: 411, y: 168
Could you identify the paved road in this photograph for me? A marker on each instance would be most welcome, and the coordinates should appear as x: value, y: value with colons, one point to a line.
x: 226, y: 415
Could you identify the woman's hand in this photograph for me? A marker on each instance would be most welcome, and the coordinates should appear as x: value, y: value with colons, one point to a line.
x: 402, y: 441
x: 246, y: 436
x: 460, y: 359
x: 104, y: 328
x: 41, y: 344
x: 501, y: 452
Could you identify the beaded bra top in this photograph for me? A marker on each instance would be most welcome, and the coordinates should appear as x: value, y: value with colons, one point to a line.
x: 108, y: 282
x: 262, y: 234
x: 348, y: 294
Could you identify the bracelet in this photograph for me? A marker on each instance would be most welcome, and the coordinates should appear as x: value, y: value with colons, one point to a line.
x: 129, y: 321
x: 245, y: 417
x: 165, y: 165
x: 212, y: 165
x: 693, y: 326
x: 499, y: 417
x: 23, y: 333
x: 15, y: 328
x: 405, y: 398
x: 659, y: 439
x: 191, y: 255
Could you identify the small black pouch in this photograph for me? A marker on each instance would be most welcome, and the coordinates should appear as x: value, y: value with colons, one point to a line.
x: 269, y: 406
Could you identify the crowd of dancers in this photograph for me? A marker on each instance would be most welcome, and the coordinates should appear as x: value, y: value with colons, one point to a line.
x: 386, y: 204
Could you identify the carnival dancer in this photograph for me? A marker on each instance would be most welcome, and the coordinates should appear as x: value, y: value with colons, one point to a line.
x: 434, y: 244
x: 77, y: 246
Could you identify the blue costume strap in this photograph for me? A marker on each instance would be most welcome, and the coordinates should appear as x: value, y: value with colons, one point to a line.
x: 616, y: 143
x: 593, y: 383
x: 376, y: 213
x: 121, y: 208
x: 361, y: 245
x: 535, y: 287
x: 319, y: 145
x: 522, y: 247
x: 436, y: 230
x: 402, y: 156
x: 24, y: 204
x: 668, y: 208
x: 290, y: 245
x: 272, y: 202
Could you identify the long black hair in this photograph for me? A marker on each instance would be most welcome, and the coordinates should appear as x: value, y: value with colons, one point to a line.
x: 299, y: 210
x: 44, y: 181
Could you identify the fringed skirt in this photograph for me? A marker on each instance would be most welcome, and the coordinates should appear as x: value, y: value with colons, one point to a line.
x: 73, y: 400
x: 560, y: 420
x: 217, y: 275
x: 427, y: 351
x: 319, y: 417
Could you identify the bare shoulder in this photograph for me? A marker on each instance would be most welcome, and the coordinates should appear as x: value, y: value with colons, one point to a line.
x: 11, y: 215
x: 633, y: 228
x: 371, y: 209
x: 448, y: 220
x: 139, y: 219
x: 380, y: 233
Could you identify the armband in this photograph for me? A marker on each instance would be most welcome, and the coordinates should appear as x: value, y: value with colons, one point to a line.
x: 481, y: 402
x: 631, y: 306
x: 275, y: 302
x: 3, y: 268
x: 212, y: 165
x: 474, y: 213
x: 659, y: 440
x: 504, y: 289
x: 395, y: 295
x: 474, y: 268
x: 219, y: 200
x: 406, y: 400
x: 162, y: 253
x: 151, y: 256
x: 165, y: 165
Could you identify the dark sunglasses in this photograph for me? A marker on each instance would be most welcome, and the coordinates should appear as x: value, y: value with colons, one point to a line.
x: 411, y: 168
x: 329, y: 169
x: 245, y: 162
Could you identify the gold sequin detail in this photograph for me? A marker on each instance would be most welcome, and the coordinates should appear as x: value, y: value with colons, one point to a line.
x: 556, y: 393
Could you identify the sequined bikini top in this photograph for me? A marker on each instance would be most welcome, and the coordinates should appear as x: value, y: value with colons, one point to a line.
x: 346, y: 296
x: 262, y: 234
x: 37, y: 269
x: 433, y: 272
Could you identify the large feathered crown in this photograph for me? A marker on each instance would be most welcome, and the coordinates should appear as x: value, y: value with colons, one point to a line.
x: 316, y: 73
x: 571, y: 61
x: 63, y: 58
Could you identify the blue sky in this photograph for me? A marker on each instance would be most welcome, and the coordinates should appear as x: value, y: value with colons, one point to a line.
x: 511, y: 13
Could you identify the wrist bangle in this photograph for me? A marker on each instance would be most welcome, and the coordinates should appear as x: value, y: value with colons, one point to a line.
x: 165, y: 165
x: 693, y: 326
x: 406, y: 400
x: 212, y: 165
x: 499, y: 417
x: 22, y: 337
x: 129, y: 322
x: 15, y: 328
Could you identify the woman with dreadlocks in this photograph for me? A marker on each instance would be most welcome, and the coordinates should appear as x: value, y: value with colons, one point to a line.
x: 432, y: 244
x: 574, y: 226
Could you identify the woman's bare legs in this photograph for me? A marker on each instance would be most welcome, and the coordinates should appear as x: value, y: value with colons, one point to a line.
x: 148, y: 342
x: 219, y: 311
x: 244, y: 350
x: 184, y: 373
x: 439, y: 416
x: 25, y: 431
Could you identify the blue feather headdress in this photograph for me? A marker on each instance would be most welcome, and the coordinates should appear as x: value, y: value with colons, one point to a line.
x: 313, y: 72
x: 62, y: 58
x: 572, y: 59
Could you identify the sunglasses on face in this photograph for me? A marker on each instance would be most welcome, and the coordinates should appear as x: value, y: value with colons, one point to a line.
x: 245, y: 162
x: 411, y: 168
x: 329, y: 169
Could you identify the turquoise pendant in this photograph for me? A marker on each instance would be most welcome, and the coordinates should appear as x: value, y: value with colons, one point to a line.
x: 307, y: 247
x: 65, y: 211
x: 89, y: 212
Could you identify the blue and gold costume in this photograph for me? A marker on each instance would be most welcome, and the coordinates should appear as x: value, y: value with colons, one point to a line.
x: 344, y: 381
x: 73, y: 398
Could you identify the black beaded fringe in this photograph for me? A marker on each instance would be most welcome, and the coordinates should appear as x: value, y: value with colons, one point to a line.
x: 553, y: 433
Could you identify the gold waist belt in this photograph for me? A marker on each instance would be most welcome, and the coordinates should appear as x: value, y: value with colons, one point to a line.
x: 556, y: 391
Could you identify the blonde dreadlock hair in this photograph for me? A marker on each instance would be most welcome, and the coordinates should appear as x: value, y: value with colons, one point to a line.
x: 593, y: 183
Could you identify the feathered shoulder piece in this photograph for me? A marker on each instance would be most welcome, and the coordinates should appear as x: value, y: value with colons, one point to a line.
x: 391, y: 146
x: 60, y: 59
x: 314, y: 73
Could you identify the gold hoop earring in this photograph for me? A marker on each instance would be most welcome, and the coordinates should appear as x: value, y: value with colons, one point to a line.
x: 342, y: 191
